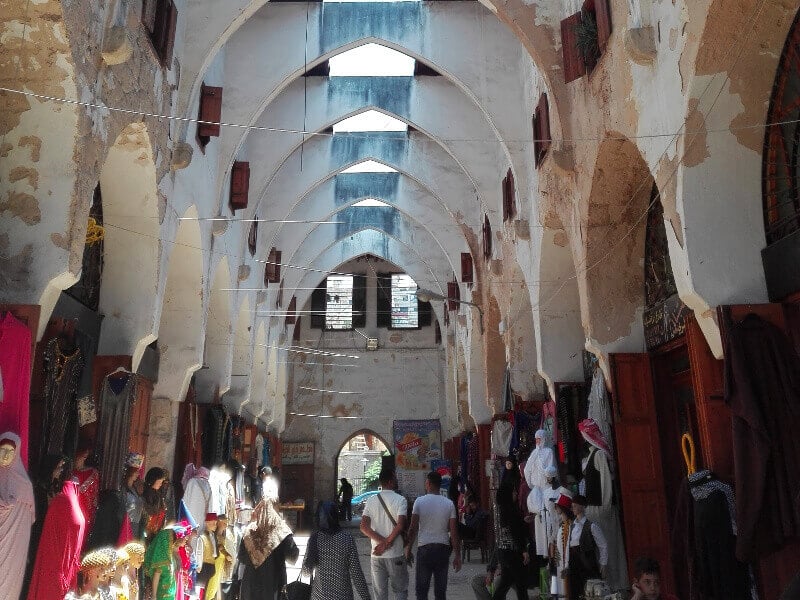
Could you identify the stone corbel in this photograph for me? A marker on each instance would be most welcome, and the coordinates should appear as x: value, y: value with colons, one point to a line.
x: 181, y: 156
x: 117, y: 47
x: 640, y: 44
x: 219, y: 227
x: 244, y: 272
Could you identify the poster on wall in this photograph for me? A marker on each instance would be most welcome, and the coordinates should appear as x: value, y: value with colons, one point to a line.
x: 444, y: 468
x: 297, y: 453
x: 416, y: 444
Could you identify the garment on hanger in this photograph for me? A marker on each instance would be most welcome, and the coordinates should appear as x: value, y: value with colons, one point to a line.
x: 117, y: 400
x: 599, y: 409
x: 501, y: 437
x: 15, y: 364
x: 259, y: 450
x: 213, y: 435
x: 62, y: 372
x: 762, y: 389
x: 58, y: 556
x: 16, y: 518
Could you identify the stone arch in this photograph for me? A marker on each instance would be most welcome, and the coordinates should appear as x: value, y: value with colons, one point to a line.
x: 615, y: 217
x: 181, y: 331
x: 132, y: 248
x: 214, y: 379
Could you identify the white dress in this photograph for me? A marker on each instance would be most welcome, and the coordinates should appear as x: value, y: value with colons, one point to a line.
x: 536, y: 476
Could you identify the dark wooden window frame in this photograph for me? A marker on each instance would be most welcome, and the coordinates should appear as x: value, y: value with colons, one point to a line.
x: 541, y: 130
x: 160, y: 18
x: 240, y: 185
x: 575, y: 64
x: 209, y: 111
x: 467, y: 268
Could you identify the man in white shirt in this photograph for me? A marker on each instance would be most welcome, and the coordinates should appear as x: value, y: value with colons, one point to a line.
x: 434, y: 519
x: 588, y: 550
x: 387, y: 561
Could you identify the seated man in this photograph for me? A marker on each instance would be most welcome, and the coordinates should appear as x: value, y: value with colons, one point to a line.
x: 647, y: 581
x: 474, y: 515
x: 483, y: 585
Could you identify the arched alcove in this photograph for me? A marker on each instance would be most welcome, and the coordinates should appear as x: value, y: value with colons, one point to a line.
x: 359, y: 458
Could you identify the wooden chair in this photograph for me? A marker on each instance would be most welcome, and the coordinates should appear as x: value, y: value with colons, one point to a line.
x: 477, y: 543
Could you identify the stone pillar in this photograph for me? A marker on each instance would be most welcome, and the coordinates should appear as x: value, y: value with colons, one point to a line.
x: 162, y: 434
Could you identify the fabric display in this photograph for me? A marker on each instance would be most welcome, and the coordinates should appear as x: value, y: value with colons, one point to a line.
x: 214, y: 435
x: 525, y: 426
x: 502, y: 432
x: 63, y: 368
x: 473, y: 460
x: 112, y: 527
x: 118, y: 397
x: 16, y: 518
x: 15, y: 365
x: 762, y: 389
x: 259, y: 450
x: 599, y: 409
x: 58, y: 557
x: 87, y: 411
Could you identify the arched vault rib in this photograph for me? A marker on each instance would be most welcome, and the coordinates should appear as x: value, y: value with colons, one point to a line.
x: 413, y: 202
x: 431, y: 105
x: 273, y: 32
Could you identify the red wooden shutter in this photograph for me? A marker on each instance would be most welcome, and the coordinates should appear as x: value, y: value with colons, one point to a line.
x: 210, y: 111
x: 240, y: 185
x: 511, y: 195
x: 487, y: 238
x: 252, y: 237
x: 466, y: 267
x: 640, y: 469
x: 543, y: 113
x: 453, y: 295
x: 276, y: 267
x: 504, y: 190
x: 296, y: 332
x: 291, y: 312
x: 169, y: 35
x: 602, y: 14
x: 574, y: 66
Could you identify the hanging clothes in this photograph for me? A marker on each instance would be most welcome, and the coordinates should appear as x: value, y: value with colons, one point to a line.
x: 109, y: 521
x: 599, y: 409
x: 16, y: 518
x: 762, y: 389
x: 536, y: 469
x: 58, y: 557
x: 259, y: 450
x: 118, y: 398
x: 15, y: 365
x: 63, y: 368
x: 198, y: 496
x: 501, y: 437
x: 523, y: 440
x: 214, y: 436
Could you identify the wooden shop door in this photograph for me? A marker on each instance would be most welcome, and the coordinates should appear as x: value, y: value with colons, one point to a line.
x: 640, y: 464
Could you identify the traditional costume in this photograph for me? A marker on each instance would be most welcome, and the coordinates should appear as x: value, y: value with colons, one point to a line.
x: 16, y: 517
x: 599, y: 491
x: 198, y: 495
x: 559, y: 585
x: 536, y: 476
x: 57, y: 559
x: 160, y: 557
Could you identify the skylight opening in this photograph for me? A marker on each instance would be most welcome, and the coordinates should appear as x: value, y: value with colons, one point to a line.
x: 369, y: 166
x: 370, y: 120
x: 370, y: 202
x: 370, y: 1
x: 371, y: 60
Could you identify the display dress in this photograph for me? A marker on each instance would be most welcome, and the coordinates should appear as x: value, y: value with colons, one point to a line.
x: 539, y: 461
x: 160, y: 558
x: 119, y: 395
x: 15, y: 368
x: 16, y: 518
x: 88, y: 480
x: 58, y: 556
x: 63, y: 369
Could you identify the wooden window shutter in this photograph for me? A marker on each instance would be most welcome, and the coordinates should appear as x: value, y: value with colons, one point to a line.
x: 252, y: 237
x: 541, y: 130
x: 240, y: 185
x: 210, y: 111
x: 466, y: 267
x: 574, y: 66
x: 318, y: 302
x: 602, y: 14
x: 487, y: 238
x: 446, y: 318
x: 274, y: 265
x: 359, y: 301
x: 504, y: 189
x: 511, y: 199
x: 424, y: 313
x: 291, y: 312
x: 453, y: 295
x: 297, y: 329
x: 437, y: 333
x: 384, y: 299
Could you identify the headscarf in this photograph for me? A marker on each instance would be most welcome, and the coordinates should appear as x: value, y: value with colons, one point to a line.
x: 327, y: 522
x: 542, y: 435
x: 592, y: 434
x: 15, y: 485
x: 265, y: 533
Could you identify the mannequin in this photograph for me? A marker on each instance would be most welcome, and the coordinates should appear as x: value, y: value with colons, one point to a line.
x: 198, y: 494
x: 539, y: 461
x: 599, y: 490
x: 206, y: 556
x: 560, y: 549
x: 135, y: 552
x: 16, y: 516
x: 57, y: 558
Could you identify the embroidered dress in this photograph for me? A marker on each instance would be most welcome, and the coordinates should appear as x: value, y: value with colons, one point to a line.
x: 15, y: 366
x: 119, y: 395
x: 160, y: 558
x: 62, y: 374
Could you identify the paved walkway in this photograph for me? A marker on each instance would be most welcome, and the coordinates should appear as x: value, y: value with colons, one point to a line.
x: 458, y: 587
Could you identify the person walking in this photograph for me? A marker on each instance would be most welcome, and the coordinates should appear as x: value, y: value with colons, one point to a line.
x: 433, y: 520
x: 332, y: 559
x: 267, y: 545
x: 346, y: 498
x: 383, y: 522
x: 512, y: 544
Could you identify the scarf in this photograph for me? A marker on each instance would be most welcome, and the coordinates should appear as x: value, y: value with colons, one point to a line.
x: 265, y: 533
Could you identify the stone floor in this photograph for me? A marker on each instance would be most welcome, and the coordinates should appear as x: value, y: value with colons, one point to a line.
x: 458, y: 587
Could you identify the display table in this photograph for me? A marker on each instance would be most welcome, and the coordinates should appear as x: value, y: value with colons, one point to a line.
x: 296, y: 507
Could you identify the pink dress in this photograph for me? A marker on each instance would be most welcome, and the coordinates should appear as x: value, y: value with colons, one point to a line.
x: 16, y: 518
x: 15, y: 369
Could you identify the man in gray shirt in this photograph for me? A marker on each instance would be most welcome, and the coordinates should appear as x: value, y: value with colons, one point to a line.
x: 433, y: 520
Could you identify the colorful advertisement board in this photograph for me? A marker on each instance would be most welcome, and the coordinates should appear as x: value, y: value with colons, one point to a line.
x: 416, y: 444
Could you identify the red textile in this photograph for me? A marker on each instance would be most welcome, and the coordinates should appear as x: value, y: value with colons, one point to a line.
x: 59, y: 554
x: 15, y: 366
x: 125, y: 532
x: 88, y: 492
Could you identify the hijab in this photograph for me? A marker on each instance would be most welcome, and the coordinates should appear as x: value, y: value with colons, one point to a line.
x: 265, y: 533
x: 15, y: 485
x: 328, y: 523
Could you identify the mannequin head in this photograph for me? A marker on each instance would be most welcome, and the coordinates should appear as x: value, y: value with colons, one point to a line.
x: 135, y: 552
x: 97, y: 567
x: 539, y: 437
x: 579, y: 506
x: 222, y: 523
x: 211, y: 522
x: 564, y: 508
x: 8, y: 451
x: 155, y: 477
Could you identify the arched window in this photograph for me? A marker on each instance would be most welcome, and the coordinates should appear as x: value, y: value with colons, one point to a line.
x: 782, y: 145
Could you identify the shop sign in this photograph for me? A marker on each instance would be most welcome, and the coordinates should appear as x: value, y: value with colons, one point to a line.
x: 664, y: 322
x: 417, y: 443
x: 297, y: 453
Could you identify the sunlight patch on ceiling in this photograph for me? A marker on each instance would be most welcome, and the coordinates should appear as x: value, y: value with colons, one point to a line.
x: 370, y: 120
x: 370, y: 202
x: 371, y: 60
x: 369, y: 166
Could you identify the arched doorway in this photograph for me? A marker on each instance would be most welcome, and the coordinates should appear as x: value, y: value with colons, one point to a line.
x: 360, y: 459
